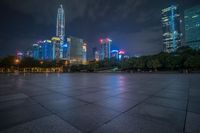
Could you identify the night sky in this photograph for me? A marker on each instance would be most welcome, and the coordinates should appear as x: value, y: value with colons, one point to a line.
x: 133, y: 25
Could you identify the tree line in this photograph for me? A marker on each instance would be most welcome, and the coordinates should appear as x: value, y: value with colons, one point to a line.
x: 183, y: 59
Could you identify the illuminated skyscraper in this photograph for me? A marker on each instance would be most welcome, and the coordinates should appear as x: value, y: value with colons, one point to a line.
x: 77, y: 50
x: 84, y: 59
x: 47, y: 50
x: 115, y: 54
x: 36, y: 51
x: 56, y: 48
x: 171, y: 25
x: 105, y: 48
x: 121, y: 55
x: 192, y: 27
x: 60, y: 28
x: 94, y: 50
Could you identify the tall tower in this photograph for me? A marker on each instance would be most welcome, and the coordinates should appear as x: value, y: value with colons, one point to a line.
x: 105, y: 48
x: 171, y: 25
x: 192, y: 27
x: 60, y: 28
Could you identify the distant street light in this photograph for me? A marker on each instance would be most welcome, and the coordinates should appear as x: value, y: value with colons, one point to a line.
x: 17, y: 61
x: 66, y: 63
x: 41, y: 62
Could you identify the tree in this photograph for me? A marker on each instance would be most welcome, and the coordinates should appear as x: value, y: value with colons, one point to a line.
x: 7, y: 62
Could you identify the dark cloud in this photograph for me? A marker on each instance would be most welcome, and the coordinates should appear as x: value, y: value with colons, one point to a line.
x: 133, y: 25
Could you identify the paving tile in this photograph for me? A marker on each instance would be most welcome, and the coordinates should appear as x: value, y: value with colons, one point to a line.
x: 88, y: 117
x: 20, y: 114
x: 118, y: 104
x: 13, y: 97
x: 63, y: 105
x: 194, y: 107
x: 167, y: 102
x: 129, y: 124
x: 49, y: 124
x: 93, y: 97
x: 132, y: 96
x: 174, y: 118
x: 48, y: 98
x: 173, y: 95
x: 16, y: 103
x: 192, y: 123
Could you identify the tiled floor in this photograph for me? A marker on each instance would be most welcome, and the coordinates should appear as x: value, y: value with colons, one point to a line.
x: 100, y: 103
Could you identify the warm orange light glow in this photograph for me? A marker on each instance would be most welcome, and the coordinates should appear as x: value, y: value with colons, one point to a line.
x: 17, y: 61
x: 41, y: 62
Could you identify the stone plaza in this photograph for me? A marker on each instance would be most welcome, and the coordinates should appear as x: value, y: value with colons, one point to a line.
x: 100, y: 103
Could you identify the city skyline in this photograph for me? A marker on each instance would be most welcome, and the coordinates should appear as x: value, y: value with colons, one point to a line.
x: 142, y: 39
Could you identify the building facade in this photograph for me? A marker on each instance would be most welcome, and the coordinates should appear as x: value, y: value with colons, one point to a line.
x: 36, y: 51
x: 105, y: 48
x: 77, y: 50
x: 56, y: 48
x: 47, y: 50
x: 192, y: 27
x: 60, y: 27
x: 171, y: 26
x: 115, y: 54
x: 94, y: 50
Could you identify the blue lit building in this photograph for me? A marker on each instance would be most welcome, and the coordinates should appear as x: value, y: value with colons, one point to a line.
x: 65, y: 50
x: 171, y: 25
x: 47, y: 50
x: 121, y: 55
x: 36, y: 51
x: 43, y: 50
x: 192, y: 27
x: 105, y: 48
x: 115, y: 54
x: 56, y: 41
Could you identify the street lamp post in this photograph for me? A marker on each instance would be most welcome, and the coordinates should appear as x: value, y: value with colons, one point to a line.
x: 17, y: 61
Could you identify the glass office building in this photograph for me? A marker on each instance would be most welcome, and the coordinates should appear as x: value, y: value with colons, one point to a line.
x: 192, y: 27
x: 77, y: 50
x: 36, y: 51
x: 105, y: 48
x: 171, y: 25
x: 47, y: 50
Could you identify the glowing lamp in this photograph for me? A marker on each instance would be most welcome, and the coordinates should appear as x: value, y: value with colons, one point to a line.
x: 108, y: 40
x: 122, y: 52
x: 17, y: 61
x: 101, y: 41
x: 114, y: 51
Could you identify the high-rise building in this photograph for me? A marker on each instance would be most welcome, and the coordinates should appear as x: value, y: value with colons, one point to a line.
x: 43, y: 50
x: 121, y: 55
x: 171, y: 25
x: 65, y: 50
x: 115, y: 54
x: 105, y: 48
x: 20, y: 55
x: 36, y: 51
x: 97, y: 56
x: 28, y: 53
x: 94, y: 50
x: 60, y: 28
x: 84, y: 59
x: 77, y: 50
x: 192, y: 27
x: 56, y: 48
x: 47, y: 50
